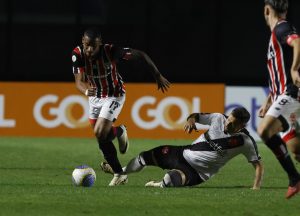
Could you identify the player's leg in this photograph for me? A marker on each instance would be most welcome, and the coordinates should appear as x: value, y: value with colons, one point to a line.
x: 183, y: 176
x: 268, y: 129
x: 166, y: 157
x: 294, y: 146
x: 110, y: 108
x: 161, y: 156
x: 292, y: 137
x: 105, y: 133
x: 134, y: 165
x: 173, y: 178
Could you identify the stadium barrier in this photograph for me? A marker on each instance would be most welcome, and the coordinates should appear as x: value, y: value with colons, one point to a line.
x: 59, y: 110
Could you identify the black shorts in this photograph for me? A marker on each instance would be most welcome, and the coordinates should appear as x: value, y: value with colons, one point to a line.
x: 171, y: 157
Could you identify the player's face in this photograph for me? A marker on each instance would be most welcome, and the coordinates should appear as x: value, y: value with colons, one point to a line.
x: 91, y: 47
x: 232, y: 125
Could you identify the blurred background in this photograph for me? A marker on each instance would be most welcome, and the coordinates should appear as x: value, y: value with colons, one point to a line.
x: 191, y: 41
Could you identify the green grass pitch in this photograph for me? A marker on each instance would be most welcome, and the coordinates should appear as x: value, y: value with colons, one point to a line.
x: 35, y: 179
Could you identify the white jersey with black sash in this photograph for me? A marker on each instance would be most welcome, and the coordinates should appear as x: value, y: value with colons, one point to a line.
x: 213, y: 149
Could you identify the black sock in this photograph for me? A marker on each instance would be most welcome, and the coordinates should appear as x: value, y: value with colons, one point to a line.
x: 110, y: 155
x: 278, y: 147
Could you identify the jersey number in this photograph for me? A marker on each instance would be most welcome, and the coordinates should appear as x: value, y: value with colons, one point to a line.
x: 113, y: 106
x: 283, y: 102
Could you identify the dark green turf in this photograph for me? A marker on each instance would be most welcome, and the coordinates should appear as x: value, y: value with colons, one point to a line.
x: 35, y: 179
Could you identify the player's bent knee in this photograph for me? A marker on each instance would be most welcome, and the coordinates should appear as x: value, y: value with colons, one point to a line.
x: 174, y: 178
x: 265, y: 133
x: 101, y: 135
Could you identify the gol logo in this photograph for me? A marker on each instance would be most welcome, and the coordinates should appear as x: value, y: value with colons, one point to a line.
x: 62, y: 113
x: 161, y: 114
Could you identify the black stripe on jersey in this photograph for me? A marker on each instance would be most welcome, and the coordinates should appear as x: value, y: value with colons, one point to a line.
x: 218, y: 144
x: 113, y: 65
x: 108, y: 70
x: 246, y: 132
x: 276, y: 78
x: 98, y: 81
x: 119, y: 89
x: 90, y: 74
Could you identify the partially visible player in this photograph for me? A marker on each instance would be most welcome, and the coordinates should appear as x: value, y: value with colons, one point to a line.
x: 292, y: 136
x: 95, y: 67
x: 194, y: 164
x: 283, y: 62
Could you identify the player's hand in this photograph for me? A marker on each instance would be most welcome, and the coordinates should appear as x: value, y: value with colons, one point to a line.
x: 162, y: 83
x: 91, y: 91
x: 262, y: 111
x: 190, y: 126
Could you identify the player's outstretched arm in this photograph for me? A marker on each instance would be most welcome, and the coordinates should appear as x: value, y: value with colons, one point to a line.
x: 162, y: 83
x: 259, y: 171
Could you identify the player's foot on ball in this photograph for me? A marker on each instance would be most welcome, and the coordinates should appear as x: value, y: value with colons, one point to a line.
x: 153, y: 184
x: 123, y: 140
x: 118, y: 179
x: 105, y: 167
x: 293, y: 190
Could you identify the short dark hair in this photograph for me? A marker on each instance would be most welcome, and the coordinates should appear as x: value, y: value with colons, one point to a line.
x: 280, y: 6
x: 92, y: 33
x: 242, y: 114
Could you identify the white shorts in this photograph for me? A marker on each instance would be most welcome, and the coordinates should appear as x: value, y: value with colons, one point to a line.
x: 108, y: 108
x: 284, y: 105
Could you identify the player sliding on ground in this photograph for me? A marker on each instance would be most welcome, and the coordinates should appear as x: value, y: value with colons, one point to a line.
x: 193, y: 164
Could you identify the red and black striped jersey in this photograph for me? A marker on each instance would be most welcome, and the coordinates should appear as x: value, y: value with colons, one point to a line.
x: 102, y: 72
x: 280, y: 58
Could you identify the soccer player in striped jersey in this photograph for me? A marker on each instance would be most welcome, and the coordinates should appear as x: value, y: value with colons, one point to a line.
x: 193, y: 164
x: 284, y: 81
x: 95, y: 67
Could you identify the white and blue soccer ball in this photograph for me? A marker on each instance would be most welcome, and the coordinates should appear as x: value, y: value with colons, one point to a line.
x: 83, y: 176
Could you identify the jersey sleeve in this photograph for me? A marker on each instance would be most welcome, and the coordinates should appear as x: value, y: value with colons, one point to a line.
x: 286, y: 33
x: 250, y: 149
x: 121, y: 53
x: 77, y: 61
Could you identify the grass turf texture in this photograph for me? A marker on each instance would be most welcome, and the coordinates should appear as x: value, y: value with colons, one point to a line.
x: 35, y: 179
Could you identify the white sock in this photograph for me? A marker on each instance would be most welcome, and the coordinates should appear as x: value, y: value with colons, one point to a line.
x: 135, y: 165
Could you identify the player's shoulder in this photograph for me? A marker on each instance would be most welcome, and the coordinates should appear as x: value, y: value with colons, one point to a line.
x: 284, y: 27
x: 248, y: 139
x: 213, y: 114
x: 77, y: 51
x: 218, y: 116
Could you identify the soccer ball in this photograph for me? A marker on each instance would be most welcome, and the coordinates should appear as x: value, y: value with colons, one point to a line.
x: 83, y: 176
